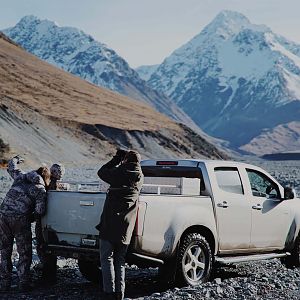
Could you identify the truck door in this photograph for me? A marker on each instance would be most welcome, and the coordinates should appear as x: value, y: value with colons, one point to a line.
x: 270, y: 215
x: 232, y: 209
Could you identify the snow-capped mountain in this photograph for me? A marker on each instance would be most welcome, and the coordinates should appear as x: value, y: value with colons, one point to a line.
x: 145, y: 72
x: 49, y: 115
x: 80, y: 54
x: 234, y: 79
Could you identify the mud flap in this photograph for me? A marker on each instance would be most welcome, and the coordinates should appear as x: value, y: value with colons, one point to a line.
x: 168, y: 271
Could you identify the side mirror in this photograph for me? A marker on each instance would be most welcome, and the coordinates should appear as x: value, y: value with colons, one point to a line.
x: 288, y: 193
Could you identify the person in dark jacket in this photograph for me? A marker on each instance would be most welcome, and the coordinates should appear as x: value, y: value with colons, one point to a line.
x: 49, y: 261
x: 124, y: 175
x: 26, y: 197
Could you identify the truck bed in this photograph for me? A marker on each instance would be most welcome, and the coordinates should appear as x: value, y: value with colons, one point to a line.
x: 163, y: 218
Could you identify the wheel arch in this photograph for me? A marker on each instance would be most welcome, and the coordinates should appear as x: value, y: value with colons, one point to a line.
x: 205, y: 232
x: 293, y: 233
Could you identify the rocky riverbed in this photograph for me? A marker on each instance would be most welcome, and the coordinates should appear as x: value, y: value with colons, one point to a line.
x: 255, y: 280
x: 259, y: 280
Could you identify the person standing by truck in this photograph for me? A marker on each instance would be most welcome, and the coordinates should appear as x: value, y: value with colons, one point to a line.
x: 124, y: 175
x: 25, y: 199
x: 49, y: 261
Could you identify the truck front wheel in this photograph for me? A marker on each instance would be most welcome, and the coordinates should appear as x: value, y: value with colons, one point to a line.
x: 194, y: 264
x: 293, y: 260
x: 90, y: 270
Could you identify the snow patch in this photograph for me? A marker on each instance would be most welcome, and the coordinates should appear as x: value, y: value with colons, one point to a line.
x: 234, y: 86
x: 235, y: 63
x: 293, y: 86
x: 275, y: 46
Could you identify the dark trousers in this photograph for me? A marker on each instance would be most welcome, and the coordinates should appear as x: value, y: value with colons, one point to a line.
x: 18, y: 228
x: 48, y: 261
x: 112, y: 256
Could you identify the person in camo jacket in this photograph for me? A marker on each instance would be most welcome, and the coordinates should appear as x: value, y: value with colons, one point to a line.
x: 49, y: 261
x: 25, y: 200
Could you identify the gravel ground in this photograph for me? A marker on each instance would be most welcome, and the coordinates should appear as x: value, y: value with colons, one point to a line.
x: 255, y: 280
x: 259, y: 280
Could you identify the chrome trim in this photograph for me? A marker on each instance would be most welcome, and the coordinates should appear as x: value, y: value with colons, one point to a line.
x: 87, y: 203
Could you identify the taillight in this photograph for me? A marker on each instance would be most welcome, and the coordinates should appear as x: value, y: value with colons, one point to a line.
x: 136, y: 230
x: 167, y: 163
x: 140, y: 219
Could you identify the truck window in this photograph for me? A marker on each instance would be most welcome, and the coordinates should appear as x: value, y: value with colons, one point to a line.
x: 229, y: 180
x: 261, y: 185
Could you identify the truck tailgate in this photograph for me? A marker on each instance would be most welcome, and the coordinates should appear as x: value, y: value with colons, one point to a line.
x: 72, y: 216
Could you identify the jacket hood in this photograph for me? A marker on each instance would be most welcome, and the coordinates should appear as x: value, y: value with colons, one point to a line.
x: 35, y: 178
x: 133, y: 170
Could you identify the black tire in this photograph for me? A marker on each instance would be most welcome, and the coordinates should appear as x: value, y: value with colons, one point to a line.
x: 90, y: 270
x: 293, y: 260
x: 195, y: 260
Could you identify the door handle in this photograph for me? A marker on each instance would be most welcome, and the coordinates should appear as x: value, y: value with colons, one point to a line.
x: 86, y: 203
x: 257, y: 207
x: 224, y: 204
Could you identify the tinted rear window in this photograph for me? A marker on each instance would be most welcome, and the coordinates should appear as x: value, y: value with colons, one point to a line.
x: 229, y: 180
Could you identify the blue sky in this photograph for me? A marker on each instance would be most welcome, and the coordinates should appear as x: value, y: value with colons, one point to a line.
x: 146, y: 31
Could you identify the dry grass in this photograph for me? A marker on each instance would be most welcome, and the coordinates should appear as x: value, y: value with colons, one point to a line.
x: 49, y: 114
x: 59, y: 94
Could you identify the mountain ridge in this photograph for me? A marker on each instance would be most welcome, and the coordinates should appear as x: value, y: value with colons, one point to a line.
x: 80, y: 54
x: 47, y: 114
x: 234, y: 79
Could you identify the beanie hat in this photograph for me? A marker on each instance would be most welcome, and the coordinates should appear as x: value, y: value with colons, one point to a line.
x: 57, y: 171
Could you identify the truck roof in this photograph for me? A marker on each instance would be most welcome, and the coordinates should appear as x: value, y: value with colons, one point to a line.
x: 195, y: 162
x: 190, y: 162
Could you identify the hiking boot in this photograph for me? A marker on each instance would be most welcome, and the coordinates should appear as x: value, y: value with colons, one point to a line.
x: 108, y: 296
x: 46, y: 281
x: 119, y: 296
x: 38, y: 267
x: 25, y: 287
x: 4, y: 288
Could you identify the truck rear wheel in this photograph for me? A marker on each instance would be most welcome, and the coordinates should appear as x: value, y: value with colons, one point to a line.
x: 293, y: 260
x: 90, y: 270
x: 194, y: 264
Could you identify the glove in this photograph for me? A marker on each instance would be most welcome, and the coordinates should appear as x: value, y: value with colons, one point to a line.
x: 32, y: 218
x: 121, y: 154
x: 19, y: 159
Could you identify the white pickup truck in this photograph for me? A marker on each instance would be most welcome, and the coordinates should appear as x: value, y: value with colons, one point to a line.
x: 193, y: 215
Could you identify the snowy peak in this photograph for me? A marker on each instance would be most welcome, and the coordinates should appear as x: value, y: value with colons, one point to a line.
x: 80, y: 54
x: 40, y: 31
x: 234, y: 78
x: 231, y: 16
x: 226, y: 23
x: 35, y: 23
x: 71, y: 49
x: 30, y: 19
x: 145, y: 72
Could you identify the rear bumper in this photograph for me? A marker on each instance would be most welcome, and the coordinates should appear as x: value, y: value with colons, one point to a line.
x: 73, y: 252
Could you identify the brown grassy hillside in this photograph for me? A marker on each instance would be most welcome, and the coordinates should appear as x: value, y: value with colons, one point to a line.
x: 45, y: 110
x: 59, y: 94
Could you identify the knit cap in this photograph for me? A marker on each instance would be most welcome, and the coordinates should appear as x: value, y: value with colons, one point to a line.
x: 57, y: 171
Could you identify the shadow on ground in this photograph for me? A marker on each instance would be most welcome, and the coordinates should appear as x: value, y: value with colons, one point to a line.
x: 71, y: 285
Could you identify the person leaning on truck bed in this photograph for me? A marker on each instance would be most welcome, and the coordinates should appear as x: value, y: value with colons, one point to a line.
x: 26, y: 197
x: 49, y: 261
x: 124, y: 174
